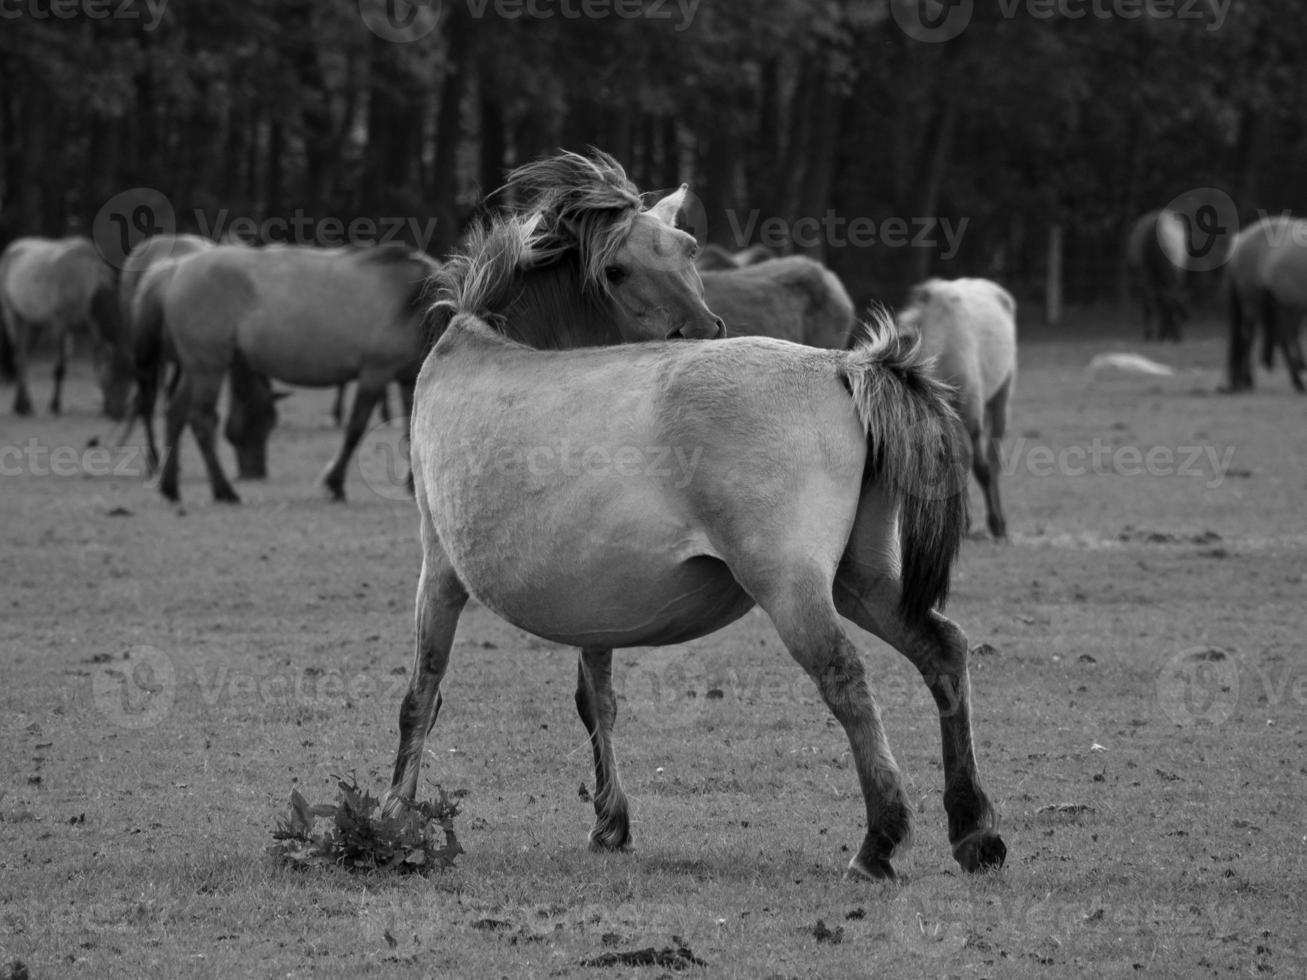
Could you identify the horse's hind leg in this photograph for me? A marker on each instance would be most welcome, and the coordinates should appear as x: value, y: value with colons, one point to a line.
x: 440, y: 600
x: 1289, y: 343
x: 938, y: 649
x: 800, y: 606
x: 365, y: 399
x: 60, y: 369
x: 21, y: 337
x: 597, y: 707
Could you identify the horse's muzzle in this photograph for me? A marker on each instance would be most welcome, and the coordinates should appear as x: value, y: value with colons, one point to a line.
x: 713, y: 329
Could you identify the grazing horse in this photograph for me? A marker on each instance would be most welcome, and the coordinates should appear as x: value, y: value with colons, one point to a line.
x: 794, y: 298
x: 1249, y: 298
x: 969, y: 327
x: 305, y: 316
x: 822, y: 485
x: 1284, y: 304
x: 58, y: 286
x: 1157, y: 256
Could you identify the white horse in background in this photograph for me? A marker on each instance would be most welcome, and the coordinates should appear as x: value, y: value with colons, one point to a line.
x: 969, y: 327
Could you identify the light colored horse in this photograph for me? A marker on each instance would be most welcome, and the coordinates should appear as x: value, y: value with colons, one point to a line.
x: 58, y: 287
x: 794, y: 298
x: 969, y: 327
x: 1266, y: 243
x: 304, y: 316
x: 1157, y: 255
x: 811, y: 482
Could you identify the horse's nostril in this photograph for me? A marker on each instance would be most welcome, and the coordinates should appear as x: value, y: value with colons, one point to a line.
x: 721, y: 328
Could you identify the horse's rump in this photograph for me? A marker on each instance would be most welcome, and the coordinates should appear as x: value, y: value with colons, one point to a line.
x: 969, y: 327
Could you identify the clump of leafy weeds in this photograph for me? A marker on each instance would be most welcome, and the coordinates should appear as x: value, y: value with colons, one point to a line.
x: 420, y: 838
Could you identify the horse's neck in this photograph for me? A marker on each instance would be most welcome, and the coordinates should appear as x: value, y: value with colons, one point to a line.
x: 550, y: 312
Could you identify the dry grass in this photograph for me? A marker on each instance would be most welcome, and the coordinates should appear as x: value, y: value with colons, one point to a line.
x: 268, y: 646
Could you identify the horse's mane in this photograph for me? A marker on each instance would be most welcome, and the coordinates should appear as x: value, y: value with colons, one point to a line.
x: 538, y: 275
x: 585, y: 204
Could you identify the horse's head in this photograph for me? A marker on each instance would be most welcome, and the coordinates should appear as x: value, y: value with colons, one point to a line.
x: 250, y: 421
x: 653, y: 282
x: 634, y: 265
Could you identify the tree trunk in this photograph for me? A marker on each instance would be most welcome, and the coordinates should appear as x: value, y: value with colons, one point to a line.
x: 1053, y: 277
x: 934, y: 164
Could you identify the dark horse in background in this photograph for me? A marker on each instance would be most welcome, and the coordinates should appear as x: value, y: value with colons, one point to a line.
x: 1157, y: 257
x: 1266, y: 286
x: 59, y: 287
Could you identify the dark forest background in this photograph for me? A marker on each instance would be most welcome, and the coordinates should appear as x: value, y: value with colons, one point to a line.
x: 784, y: 108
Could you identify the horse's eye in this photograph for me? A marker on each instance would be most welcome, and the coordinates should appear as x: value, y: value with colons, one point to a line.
x: 614, y: 274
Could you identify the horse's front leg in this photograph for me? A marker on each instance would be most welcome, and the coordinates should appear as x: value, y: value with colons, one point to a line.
x: 597, y: 707
x: 365, y: 400
x: 440, y: 600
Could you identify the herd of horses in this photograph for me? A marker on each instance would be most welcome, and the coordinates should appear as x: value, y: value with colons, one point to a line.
x: 831, y: 455
x: 1264, y: 282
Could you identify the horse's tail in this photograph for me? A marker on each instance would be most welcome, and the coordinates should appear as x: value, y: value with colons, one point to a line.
x: 915, y: 448
x: 146, y: 327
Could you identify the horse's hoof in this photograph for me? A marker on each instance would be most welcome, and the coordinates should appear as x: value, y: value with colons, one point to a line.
x: 227, y: 496
x: 981, y: 852
x: 876, y: 869
x: 22, y: 408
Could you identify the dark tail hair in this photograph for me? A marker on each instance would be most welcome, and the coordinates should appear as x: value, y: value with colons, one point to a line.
x: 917, y: 449
x: 146, y: 327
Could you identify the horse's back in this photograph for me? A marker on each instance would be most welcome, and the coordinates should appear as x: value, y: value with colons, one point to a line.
x: 1253, y: 248
x: 303, y: 315
x: 793, y: 298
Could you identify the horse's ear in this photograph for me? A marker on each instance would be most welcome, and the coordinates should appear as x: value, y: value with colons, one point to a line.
x: 670, y: 206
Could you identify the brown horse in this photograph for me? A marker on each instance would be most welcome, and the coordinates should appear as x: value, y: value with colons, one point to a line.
x: 794, y: 298
x: 822, y: 486
x: 305, y: 316
x: 1270, y: 250
x: 60, y: 287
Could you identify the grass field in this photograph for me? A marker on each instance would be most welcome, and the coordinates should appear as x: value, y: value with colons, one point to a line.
x: 169, y: 676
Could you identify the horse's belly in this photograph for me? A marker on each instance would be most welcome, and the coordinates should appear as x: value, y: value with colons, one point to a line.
x: 609, y: 609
